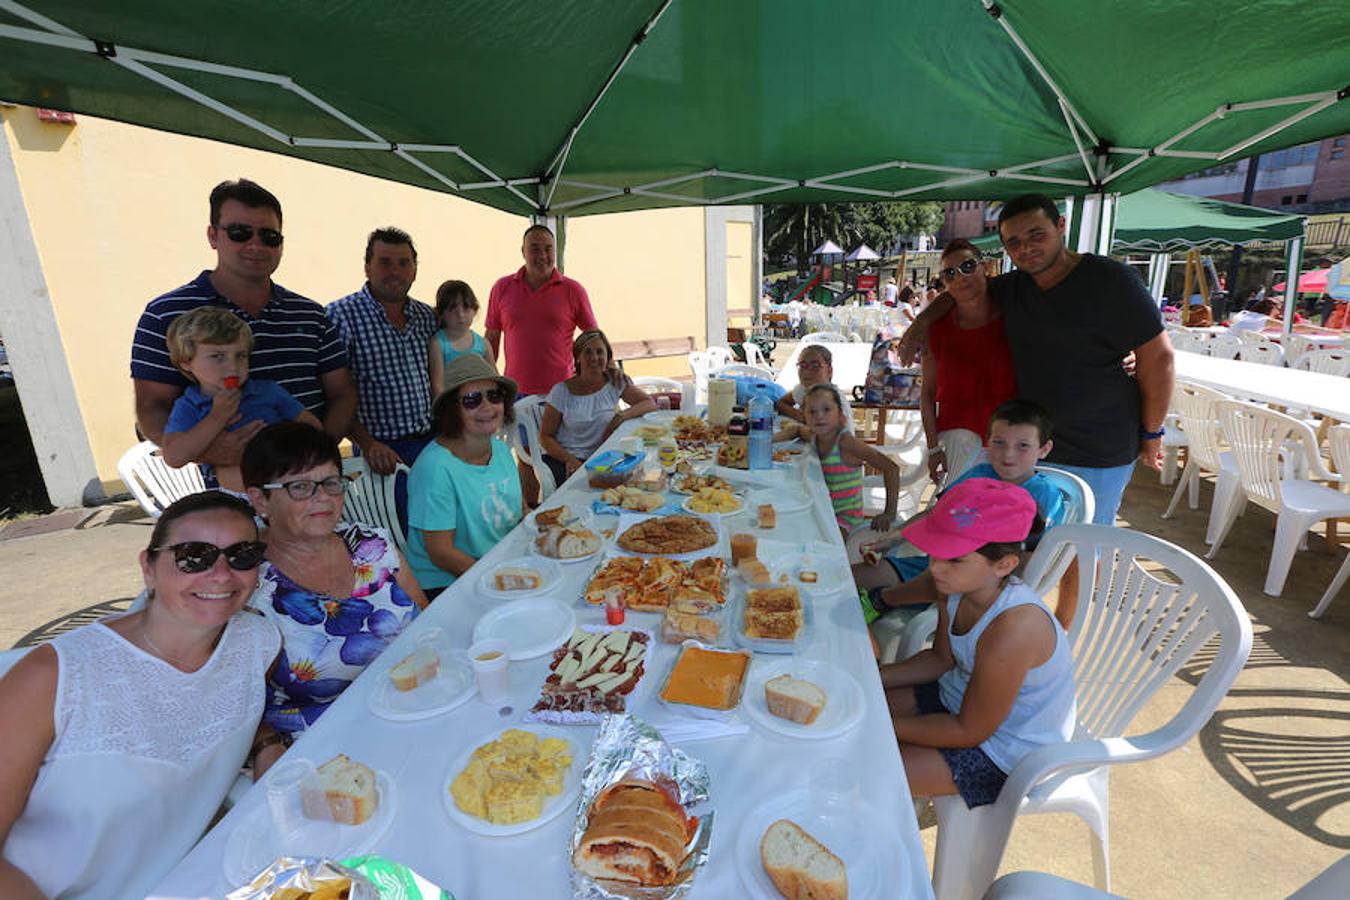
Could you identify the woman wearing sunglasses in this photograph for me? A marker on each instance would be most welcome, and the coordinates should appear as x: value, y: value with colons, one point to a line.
x: 122, y: 738
x: 583, y: 411
x: 464, y: 493
x: 967, y: 368
x: 338, y: 593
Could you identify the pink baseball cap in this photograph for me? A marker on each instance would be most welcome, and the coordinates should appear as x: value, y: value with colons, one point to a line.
x: 976, y: 512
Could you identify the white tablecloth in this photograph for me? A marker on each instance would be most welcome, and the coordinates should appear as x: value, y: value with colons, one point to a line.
x: 1326, y: 395
x: 746, y: 770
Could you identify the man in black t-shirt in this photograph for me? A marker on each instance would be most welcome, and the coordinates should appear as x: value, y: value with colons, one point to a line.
x: 1070, y: 318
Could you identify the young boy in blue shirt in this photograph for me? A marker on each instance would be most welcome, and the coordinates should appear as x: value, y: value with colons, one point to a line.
x: 210, y: 345
x: 1019, y: 438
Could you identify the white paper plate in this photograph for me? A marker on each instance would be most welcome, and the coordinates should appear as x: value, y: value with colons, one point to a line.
x: 731, y: 512
x: 451, y: 687
x: 531, y: 626
x: 831, y: 577
x: 547, y: 567
x: 783, y: 502
x: 869, y: 847
x: 580, y: 741
x: 660, y: 416
x: 843, y: 708
x: 253, y: 844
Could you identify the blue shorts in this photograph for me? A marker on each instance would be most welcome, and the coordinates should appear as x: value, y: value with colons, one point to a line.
x: 907, y: 568
x: 977, y: 778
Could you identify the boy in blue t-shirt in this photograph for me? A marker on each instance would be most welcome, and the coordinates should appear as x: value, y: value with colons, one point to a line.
x: 210, y: 345
x: 1019, y: 438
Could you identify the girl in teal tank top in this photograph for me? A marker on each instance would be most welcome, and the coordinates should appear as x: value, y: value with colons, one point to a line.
x: 456, y: 308
x: 842, y: 457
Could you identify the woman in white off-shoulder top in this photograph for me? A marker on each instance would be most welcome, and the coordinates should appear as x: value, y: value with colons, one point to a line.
x: 123, y: 737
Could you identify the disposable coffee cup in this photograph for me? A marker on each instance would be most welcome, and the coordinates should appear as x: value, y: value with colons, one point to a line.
x: 287, y: 783
x: 491, y: 669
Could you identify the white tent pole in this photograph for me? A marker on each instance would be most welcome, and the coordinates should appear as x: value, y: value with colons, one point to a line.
x: 1277, y: 127
x: 1073, y: 133
x: 1162, y: 263
x: 1293, y: 266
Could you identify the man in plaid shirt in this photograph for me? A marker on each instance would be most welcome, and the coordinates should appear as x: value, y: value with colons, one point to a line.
x: 386, y: 333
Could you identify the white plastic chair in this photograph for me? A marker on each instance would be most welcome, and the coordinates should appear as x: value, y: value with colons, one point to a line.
x: 370, y: 499
x: 655, y: 384
x: 719, y: 356
x: 753, y: 355
x: 824, y: 337
x: 1251, y: 336
x: 1332, y: 884
x: 1225, y: 346
x: 1190, y: 341
x: 1079, y: 506
x: 1195, y: 408
x: 1338, y: 438
x: 1326, y: 362
x: 1267, y: 353
x: 529, y: 414
x: 1296, y: 346
x: 153, y: 482
x: 763, y: 374
x: 1174, y: 439
x: 1131, y: 632
x: 1263, y: 442
x: 699, y: 368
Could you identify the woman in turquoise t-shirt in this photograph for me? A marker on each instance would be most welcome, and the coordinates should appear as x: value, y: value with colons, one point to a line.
x: 464, y: 492
x: 456, y: 308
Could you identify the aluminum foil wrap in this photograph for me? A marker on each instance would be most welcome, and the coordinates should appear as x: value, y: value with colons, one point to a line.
x: 306, y: 874
x: 628, y: 747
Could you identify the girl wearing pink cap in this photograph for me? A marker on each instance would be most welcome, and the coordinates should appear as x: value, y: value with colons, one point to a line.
x: 998, y: 681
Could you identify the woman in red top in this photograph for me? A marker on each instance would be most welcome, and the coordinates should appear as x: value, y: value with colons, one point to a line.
x: 967, y: 368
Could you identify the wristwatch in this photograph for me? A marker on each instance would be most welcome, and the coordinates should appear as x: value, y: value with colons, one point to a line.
x: 1146, y: 435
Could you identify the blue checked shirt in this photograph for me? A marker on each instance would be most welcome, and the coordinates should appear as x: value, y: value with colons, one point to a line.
x: 389, y: 365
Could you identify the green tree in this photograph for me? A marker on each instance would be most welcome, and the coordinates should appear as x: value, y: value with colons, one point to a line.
x: 795, y: 229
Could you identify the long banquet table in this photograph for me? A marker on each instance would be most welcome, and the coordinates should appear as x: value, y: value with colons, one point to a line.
x: 746, y: 770
x: 1327, y: 395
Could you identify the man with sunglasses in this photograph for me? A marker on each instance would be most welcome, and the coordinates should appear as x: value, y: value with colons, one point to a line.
x: 1071, y: 318
x: 294, y: 343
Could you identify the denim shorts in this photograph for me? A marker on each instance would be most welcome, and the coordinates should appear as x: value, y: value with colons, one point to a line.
x: 977, y: 778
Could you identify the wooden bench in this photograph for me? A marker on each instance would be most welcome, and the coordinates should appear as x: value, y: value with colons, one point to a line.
x: 654, y: 348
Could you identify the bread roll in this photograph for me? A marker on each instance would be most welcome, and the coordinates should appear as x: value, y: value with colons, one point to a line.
x: 794, y: 699
x: 346, y: 792
x: 801, y: 867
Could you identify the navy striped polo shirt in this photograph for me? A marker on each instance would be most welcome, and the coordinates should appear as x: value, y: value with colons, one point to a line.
x: 293, y: 341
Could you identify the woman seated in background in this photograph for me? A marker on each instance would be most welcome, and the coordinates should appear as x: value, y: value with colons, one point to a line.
x: 464, y: 492
x: 122, y: 738
x: 583, y: 410
x: 338, y: 593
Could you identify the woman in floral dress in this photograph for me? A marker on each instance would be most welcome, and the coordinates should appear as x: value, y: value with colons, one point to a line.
x: 338, y: 593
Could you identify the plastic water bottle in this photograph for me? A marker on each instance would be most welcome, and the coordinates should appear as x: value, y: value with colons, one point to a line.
x: 761, y: 429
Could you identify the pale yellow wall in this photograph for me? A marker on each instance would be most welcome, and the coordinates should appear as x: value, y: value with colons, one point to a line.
x: 119, y: 216
x: 644, y: 274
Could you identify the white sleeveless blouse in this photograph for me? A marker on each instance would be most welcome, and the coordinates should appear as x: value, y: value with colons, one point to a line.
x: 143, y: 756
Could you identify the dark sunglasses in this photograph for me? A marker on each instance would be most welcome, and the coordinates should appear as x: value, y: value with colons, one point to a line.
x: 304, y: 488
x: 966, y: 268
x: 240, y: 234
x: 474, y: 399
x: 192, y: 557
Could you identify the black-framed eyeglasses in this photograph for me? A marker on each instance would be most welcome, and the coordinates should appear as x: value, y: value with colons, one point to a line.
x: 967, y: 267
x: 192, y: 557
x: 241, y: 233
x: 304, y: 488
x: 474, y: 399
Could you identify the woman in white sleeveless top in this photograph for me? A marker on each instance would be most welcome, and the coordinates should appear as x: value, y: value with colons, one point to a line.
x: 998, y: 681
x: 122, y: 738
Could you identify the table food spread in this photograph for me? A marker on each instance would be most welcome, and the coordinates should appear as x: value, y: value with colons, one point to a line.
x: 672, y: 753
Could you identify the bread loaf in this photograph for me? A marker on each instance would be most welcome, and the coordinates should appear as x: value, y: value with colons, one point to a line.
x: 801, y: 867
x: 794, y: 699
x: 558, y: 515
x: 416, y: 669
x: 637, y: 834
x: 346, y: 792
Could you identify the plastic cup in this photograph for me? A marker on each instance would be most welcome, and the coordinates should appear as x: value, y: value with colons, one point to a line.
x: 834, y: 791
x: 743, y: 546
x: 632, y: 445
x: 286, y: 784
x: 491, y: 661
x: 614, y: 608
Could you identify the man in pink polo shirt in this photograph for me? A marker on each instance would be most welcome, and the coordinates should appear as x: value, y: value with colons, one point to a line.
x: 537, y: 309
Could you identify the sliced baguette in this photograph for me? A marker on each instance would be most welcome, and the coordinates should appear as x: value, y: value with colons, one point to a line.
x: 346, y: 793
x: 794, y: 699
x: 801, y: 867
x: 416, y: 669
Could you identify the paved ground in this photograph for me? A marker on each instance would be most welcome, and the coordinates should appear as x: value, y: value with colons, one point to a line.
x: 1255, y: 807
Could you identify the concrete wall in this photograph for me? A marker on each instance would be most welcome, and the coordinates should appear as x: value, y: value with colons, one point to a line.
x: 118, y: 215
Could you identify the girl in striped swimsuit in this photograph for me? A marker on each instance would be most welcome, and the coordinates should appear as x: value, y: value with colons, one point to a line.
x: 841, y: 460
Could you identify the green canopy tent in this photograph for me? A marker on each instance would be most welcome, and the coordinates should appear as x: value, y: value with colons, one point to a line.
x: 591, y: 106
